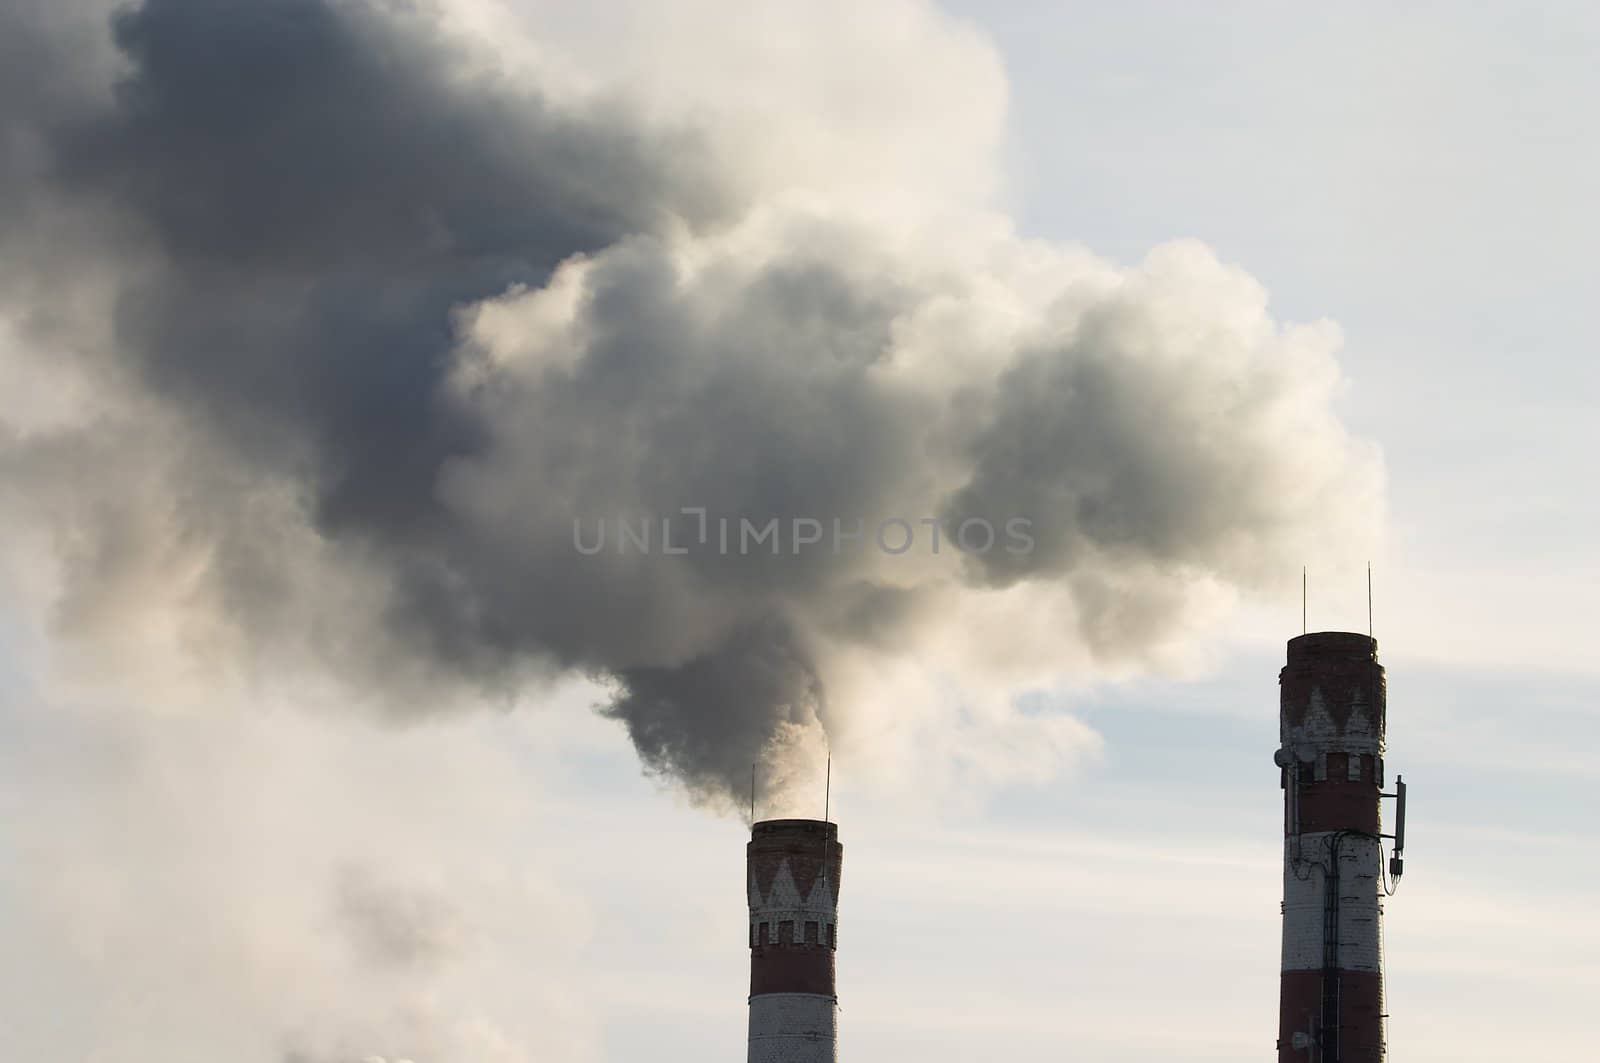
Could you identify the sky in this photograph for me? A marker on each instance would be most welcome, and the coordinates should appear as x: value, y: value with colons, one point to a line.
x: 252, y: 807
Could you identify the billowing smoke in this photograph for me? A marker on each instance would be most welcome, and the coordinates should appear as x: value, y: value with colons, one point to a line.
x: 454, y: 383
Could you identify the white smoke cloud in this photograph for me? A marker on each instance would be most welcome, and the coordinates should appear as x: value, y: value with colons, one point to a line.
x: 364, y: 444
x: 260, y: 884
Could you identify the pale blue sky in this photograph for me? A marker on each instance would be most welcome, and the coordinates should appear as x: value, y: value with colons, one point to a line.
x: 1423, y: 177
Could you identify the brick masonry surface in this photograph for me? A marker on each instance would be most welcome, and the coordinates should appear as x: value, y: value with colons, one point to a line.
x: 792, y: 884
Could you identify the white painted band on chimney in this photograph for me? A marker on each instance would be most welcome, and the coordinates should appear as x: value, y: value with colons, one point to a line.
x: 793, y: 1028
x: 1360, y: 904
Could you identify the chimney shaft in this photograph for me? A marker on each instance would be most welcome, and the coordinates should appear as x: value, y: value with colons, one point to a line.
x: 1332, y: 698
x: 792, y: 881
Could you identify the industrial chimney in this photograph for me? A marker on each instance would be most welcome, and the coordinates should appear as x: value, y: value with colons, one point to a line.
x: 792, y: 879
x: 1331, y: 1002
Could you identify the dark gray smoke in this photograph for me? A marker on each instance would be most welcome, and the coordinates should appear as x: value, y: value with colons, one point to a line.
x: 455, y: 318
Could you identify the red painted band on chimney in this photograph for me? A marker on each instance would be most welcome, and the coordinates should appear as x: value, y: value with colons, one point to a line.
x: 794, y: 867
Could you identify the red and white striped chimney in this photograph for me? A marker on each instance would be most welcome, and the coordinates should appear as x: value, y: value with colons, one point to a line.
x: 1331, y: 1003
x: 792, y: 880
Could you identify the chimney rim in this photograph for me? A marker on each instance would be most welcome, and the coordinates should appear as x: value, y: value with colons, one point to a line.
x: 774, y: 826
x: 1321, y: 645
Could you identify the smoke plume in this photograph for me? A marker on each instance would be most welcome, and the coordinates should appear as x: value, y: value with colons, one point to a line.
x: 374, y: 335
